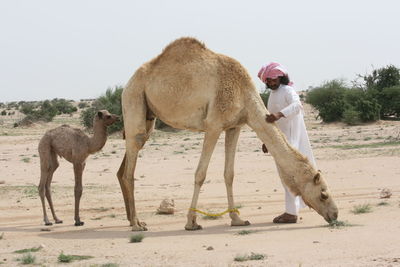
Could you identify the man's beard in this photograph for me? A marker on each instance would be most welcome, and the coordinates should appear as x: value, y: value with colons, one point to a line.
x: 274, y: 87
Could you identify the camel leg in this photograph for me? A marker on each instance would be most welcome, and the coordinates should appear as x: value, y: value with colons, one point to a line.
x: 53, y: 168
x: 120, y: 173
x: 128, y: 182
x: 210, y: 139
x: 124, y: 190
x: 46, y: 172
x: 231, y: 138
x: 45, y: 169
x: 78, y: 170
x: 137, y: 130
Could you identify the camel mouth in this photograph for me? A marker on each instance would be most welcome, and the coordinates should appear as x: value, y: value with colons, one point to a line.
x: 331, y: 217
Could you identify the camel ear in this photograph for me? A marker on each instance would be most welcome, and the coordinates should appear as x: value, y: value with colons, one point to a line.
x: 324, y: 195
x: 317, y: 178
x: 100, y: 114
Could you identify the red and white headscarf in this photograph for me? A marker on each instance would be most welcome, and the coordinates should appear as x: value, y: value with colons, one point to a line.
x: 272, y: 70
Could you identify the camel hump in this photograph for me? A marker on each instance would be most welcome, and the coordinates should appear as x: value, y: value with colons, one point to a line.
x: 182, y: 50
x: 184, y: 44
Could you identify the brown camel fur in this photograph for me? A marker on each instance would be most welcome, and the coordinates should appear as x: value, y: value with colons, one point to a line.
x: 75, y: 146
x: 190, y: 87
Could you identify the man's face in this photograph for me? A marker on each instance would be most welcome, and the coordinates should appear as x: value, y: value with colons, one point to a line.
x: 273, y: 83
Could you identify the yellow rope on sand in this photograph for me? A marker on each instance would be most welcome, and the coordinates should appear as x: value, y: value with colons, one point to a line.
x: 216, y: 214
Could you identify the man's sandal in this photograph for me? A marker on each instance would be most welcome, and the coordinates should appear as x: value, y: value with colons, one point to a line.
x: 285, y: 218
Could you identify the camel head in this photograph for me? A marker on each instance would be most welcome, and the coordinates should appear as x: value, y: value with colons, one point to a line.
x: 105, y: 117
x: 317, y: 196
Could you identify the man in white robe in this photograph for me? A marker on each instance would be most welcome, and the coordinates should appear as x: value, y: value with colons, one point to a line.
x: 287, y: 111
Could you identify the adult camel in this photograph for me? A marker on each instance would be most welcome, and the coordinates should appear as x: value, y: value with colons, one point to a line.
x: 190, y: 87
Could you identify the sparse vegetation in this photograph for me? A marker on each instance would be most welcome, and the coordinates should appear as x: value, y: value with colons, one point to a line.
x: 82, y: 105
x: 370, y: 145
x: 69, y: 258
x: 26, y: 250
x: 31, y: 191
x: 245, y: 232
x: 1, y: 236
x: 383, y: 203
x: 27, y: 259
x: 44, y: 110
x: 339, y: 224
x: 359, y: 209
x: 252, y: 256
x: 26, y: 160
x: 210, y: 217
x: 136, y: 238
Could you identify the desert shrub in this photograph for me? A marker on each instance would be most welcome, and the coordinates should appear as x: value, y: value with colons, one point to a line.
x: 391, y: 101
x: 361, y: 103
x: 82, y: 105
x: 63, y: 106
x: 44, y: 112
x: 351, y: 117
x: 110, y: 101
x: 328, y: 99
x: 3, y: 113
x: 69, y: 258
x: 364, y: 208
x: 337, y: 102
x: 264, y: 96
x: 384, y: 85
x: 137, y: 238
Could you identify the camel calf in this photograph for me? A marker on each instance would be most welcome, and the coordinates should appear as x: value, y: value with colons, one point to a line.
x: 75, y: 146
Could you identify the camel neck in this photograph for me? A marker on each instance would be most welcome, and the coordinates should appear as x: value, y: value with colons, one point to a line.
x: 272, y: 137
x: 99, y: 138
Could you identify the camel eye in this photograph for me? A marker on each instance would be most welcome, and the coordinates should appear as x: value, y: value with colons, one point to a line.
x: 324, y: 195
x: 108, y: 117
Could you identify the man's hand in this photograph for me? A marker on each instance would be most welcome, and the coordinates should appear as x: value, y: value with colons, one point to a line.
x: 274, y: 117
x: 264, y: 148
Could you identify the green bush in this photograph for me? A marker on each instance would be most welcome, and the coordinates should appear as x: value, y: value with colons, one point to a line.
x: 110, y: 101
x: 63, y: 106
x: 391, y: 101
x: 328, y: 99
x: 3, y: 113
x: 264, y: 96
x: 43, y: 112
x: 82, y: 105
x: 384, y: 86
x: 351, y: 117
x: 362, y: 103
x: 337, y: 102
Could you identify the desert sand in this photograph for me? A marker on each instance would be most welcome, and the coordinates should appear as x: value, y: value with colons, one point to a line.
x: 357, y: 161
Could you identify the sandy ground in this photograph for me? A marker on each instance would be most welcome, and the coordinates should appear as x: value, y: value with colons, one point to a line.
x: 356, y: 171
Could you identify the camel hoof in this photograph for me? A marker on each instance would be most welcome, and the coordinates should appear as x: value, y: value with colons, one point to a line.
x: 193, y: 228
x: 79, y: 223
x: 136, y: 228
x: 242, y: 223
x: 48, y: 223
x: 59, y: 221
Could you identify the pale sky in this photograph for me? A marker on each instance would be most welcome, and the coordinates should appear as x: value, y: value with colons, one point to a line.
x: 77, y: 49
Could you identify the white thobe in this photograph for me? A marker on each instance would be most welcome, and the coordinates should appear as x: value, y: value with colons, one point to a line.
x: 286, y: 100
